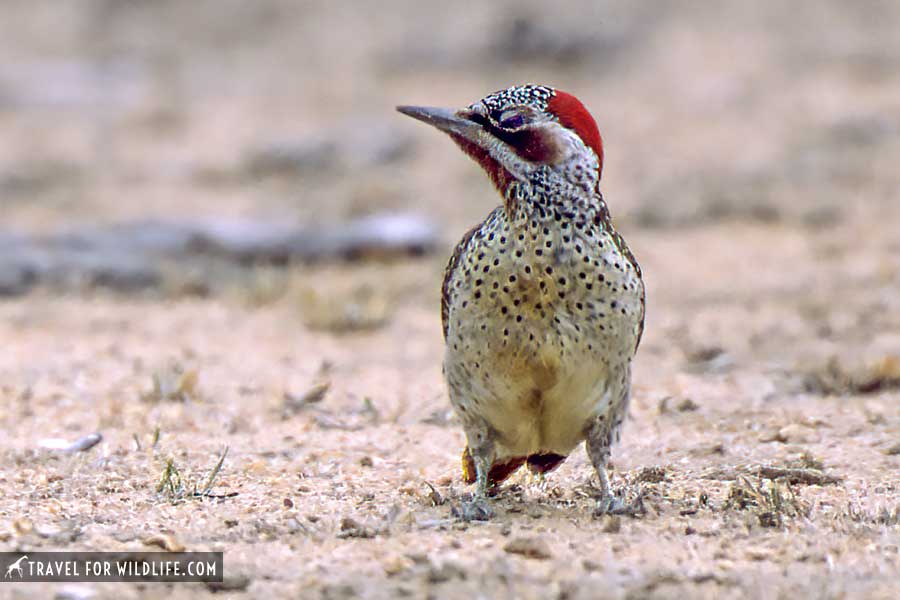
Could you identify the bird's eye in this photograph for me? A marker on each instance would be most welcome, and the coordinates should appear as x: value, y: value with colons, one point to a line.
x: 512, y: 120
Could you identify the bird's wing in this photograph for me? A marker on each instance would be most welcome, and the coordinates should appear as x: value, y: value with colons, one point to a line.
x: 604, y: 216
x: 643, y: 311
x: 452, y: 265
x: 448, y: 275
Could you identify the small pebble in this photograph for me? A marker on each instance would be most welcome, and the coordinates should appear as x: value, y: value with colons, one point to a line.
x: 165, y: 541
x: 529, y: 547
x: 80, y: 445
x: 234, y: 583
x: 610, y: 524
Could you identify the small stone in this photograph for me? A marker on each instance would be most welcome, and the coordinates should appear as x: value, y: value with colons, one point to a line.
x: 591, y: 566
x: 288, y: 503
x: 419, y: 558
x: 686, y: 405
x: 229, y: 583
x: 610, y: 524
x: 81, y: 444
x: 446, y: 572
x: 350, y: 528
x: 797, y: 434
x: 652, y: 474
x: 662, y: 406
x: 339, y: 591
x: 758, y: 554
x: 529, y: 547
x: 23, y: 526
x: 165, y: 541
x: 394, y: 565
x: 771, y: 435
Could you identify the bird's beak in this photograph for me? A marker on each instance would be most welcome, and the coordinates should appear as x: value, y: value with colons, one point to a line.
x: 445, y: 119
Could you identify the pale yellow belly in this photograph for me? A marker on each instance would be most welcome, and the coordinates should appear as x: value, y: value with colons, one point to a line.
x: 536, y: 400
x: 536, y: 417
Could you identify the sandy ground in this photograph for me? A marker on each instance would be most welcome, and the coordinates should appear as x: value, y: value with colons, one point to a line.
x: 751, y: 163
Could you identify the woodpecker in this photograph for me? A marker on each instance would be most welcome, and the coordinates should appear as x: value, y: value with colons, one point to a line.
x: 543, y: 302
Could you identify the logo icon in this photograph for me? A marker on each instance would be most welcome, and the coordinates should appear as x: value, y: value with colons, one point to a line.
x: 17, y: 567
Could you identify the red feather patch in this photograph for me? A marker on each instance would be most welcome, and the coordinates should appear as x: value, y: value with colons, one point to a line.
x: 572, y: 114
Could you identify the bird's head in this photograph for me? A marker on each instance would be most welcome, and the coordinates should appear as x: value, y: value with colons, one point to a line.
x: 524, y: 130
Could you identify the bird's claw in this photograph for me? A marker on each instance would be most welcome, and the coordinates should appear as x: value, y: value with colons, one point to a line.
x: 610, y: 505
x: 476, y: 509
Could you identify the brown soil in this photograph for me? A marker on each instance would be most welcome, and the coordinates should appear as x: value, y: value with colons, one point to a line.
x: 751, y: 164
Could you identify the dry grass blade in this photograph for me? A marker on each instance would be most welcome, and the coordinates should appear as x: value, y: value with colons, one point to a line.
x: 796, y: 475
x: 841, y: 377
x: 771, y: 500
x: 174, y: 382
x: 210, y: 481
x: 293, y: 403
x: 171, y: 483
x: 793, y: 475
x: 176, y: 488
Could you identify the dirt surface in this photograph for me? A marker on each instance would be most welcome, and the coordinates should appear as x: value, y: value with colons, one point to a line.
x: 752, y: 153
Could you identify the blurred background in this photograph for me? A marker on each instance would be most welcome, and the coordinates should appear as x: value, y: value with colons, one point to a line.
x: 214, y: 224
x: 155, y: 144
x: 123, y: 109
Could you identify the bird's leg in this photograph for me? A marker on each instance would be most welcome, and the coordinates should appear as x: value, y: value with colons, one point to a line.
x: 535, y: 483
x: 539, y: 480
x: 599, y: 440
x: 605, y: 488
x: 481, y: 447
x: 482, y: 470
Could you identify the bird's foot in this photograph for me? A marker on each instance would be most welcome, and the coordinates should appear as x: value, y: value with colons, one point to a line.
x: 537, y: 482
x: 610, y: 504
x: 476, y: 509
